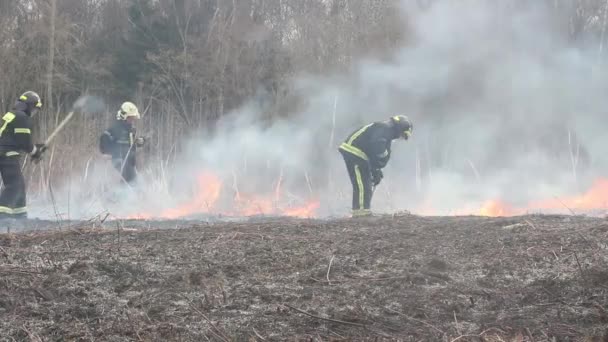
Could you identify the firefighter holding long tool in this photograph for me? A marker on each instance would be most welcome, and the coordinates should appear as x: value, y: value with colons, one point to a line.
x: 366, y: 151
x: 15, y: 139
x: 121, y: 143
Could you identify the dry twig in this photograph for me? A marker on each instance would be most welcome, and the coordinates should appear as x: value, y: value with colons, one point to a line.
x: 530, y: 224
x: 18, y: 271
x: 565, y: 206
x: 325, y: 318
x: 258, y: 335
x: 417, y: 320
x: 4, y: 253
x: 478, y: 335
x: 580, y: 268
x: 456, y: 322
x: 329, y: 268
x: 215, y: 330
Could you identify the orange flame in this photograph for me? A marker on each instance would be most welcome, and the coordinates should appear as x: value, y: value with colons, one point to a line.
x: 246, y: 205
x: 304, y: 211
x: 495, y: 208
x: 491, y: 208
x: 594, y: 199
x: 208, y: 191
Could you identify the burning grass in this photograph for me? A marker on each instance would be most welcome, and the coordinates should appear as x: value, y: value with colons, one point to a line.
x: 207, y: 199
x: 592, y: 201
x: 404, y: 277
x: 214, y: 195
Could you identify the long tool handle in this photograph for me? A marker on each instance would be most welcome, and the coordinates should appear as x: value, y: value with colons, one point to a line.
x: 59, y: 128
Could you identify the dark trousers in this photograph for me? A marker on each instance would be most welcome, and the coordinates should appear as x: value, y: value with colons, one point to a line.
x: 360, y: 175
x: 126, y: 168
x: 12, y: 198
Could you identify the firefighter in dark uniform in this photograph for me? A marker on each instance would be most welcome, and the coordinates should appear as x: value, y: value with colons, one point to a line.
x: 121, y: 143
x: 16, y: 138
x: 366, y: 151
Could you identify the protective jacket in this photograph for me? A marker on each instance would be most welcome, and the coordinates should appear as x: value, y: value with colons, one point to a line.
x: 16, y: 132
x: 119, y: 141
x: 371, y: 143
x: 15, y: 137
x: 365, y: 152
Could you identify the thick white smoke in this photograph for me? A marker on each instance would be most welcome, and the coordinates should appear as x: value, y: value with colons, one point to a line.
x: 503, y: 104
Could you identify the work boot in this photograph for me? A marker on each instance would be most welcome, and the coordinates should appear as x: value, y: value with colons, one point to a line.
x: 362, y: 213
x: 7, y: 221
x: 20, y: 216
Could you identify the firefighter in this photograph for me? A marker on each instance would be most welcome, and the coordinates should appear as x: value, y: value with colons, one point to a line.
x: 15, y: 138
x: 120, y: 141
x: 366, y: 151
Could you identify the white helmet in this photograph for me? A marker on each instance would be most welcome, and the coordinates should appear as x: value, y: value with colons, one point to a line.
x: 127, y: 109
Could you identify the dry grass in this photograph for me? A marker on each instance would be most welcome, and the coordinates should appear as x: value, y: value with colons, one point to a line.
x: 408, y: 278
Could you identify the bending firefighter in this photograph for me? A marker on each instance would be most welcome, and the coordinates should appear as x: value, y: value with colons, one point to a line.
x: 366, y: 152
x: 15, y: 138
x: 120, y: 141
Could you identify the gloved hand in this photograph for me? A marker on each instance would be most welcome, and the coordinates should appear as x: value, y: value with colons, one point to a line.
x: 377, y: 176
x: 139, y: 141
x: 36, y: 154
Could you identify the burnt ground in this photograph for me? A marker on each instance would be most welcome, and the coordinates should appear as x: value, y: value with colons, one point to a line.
x: 409, y: 278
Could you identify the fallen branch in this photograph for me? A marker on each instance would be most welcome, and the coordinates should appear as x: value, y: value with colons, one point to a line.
x: 324, y: 318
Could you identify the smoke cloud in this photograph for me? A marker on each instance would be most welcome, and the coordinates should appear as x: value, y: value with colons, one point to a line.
x: 504, y: 107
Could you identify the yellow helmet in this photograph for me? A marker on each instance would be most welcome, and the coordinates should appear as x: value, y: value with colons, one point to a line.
x: 127, y: 109
x: 31, y: 98
x: 403, y: 125
x: 32, y: 101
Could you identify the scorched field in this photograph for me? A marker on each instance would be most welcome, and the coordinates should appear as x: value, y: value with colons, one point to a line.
x: 407, y: 278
